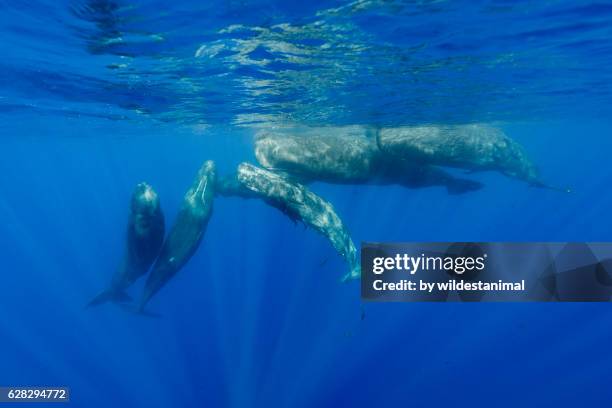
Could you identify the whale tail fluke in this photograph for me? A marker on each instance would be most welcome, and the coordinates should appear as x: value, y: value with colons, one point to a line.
x: 110, y: 295
x: 462, y: 186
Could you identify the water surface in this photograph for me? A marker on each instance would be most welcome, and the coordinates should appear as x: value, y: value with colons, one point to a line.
x: 97, y: 96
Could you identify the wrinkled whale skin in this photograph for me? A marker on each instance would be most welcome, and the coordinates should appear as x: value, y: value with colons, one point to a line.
x: 299, y: 203
x: 472, y: 147
x: 348, y: 160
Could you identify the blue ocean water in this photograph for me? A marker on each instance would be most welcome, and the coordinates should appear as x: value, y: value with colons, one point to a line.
x: 96, y: 96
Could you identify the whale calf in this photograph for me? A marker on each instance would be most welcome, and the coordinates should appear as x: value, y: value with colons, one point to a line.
x: 472, y: 147
x: 349, y: 160
x: 145, y: 234
x: 299, y: 203
x: 186, y: 233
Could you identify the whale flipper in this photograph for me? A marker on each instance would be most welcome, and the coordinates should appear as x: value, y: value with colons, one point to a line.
x: 110, y: 295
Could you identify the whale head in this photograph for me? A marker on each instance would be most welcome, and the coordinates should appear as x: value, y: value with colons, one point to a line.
x: 145, y: 207
x: 515, y: 163
x: 199, y: 197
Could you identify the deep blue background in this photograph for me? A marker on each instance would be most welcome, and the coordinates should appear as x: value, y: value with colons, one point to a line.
x: 258, y: 317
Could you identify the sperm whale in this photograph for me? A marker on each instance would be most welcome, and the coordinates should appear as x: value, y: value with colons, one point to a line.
x: 473, y: 147
x: 186, y: 233
x: 145, y: 234
x: 354, y: 159
x: 299, y: 203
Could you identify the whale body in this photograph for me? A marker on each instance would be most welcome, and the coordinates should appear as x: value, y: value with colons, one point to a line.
x: 186, y: 233
x: 145, y: 234
x: 473, y: 147
x: 299, y: 203
x: 350, y: 159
